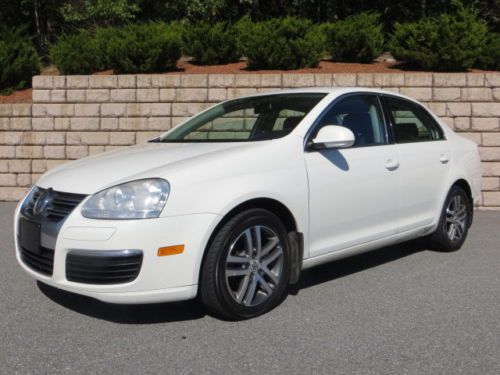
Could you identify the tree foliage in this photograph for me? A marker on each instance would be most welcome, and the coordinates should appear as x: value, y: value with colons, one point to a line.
x: 331, y: 26
x: 18, y: 60
x: 46, y: 19
x: 93, y: 13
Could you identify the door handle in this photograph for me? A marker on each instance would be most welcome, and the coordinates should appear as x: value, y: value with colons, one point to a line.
x: 391, y: 164
x: 444, y: 158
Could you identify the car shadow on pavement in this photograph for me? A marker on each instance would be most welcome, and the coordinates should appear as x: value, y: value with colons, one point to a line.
x: 337, y: 269
x: 192, y: 310
x: 125, y: 314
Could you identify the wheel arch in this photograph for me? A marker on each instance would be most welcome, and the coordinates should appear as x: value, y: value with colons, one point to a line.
x: 460, y: 180
x: 466, y: 186
x: 280, y: 210
x: 270, y: 204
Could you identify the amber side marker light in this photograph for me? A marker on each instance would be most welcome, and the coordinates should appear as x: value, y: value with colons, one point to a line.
x: 170, y: 250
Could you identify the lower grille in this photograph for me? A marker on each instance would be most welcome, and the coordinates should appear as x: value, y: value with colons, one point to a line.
x: 103, y: 267
x: 42, y: 263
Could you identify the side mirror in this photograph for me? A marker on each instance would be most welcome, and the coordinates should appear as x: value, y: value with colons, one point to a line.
x: 333, y: 136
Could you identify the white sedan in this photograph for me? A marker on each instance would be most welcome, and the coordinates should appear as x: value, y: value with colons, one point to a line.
x: 231, y: 205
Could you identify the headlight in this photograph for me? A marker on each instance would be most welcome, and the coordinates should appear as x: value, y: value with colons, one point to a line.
x: 142, y: 199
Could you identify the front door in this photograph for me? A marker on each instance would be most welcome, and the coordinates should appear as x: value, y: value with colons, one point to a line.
x: 353, y: 192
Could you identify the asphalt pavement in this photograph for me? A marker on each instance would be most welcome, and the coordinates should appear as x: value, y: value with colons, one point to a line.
x: 398, y: 310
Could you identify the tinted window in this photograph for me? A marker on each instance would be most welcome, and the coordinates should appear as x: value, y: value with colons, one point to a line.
x: 247, y: 119
x: 362, y: 115
x: 412, y: 123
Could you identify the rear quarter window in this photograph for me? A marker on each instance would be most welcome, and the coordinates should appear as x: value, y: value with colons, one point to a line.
x: 412, y: 123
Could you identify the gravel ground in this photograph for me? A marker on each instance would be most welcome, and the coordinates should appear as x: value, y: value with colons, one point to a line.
x: 398, y: 310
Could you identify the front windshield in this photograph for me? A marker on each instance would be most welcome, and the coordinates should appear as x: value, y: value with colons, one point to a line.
x: 247, y: 119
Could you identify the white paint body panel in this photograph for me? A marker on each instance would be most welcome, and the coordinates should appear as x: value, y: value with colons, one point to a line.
x: 422, y: 179
x: 351, y: 196
x: 343, y: 201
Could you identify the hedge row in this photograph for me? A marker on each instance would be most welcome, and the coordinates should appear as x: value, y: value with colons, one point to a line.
x: 288, y: 43
x: 450, y: 42
x: 135, y: 48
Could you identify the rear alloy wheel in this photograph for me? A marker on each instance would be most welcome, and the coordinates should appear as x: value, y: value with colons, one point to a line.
x: 455, y: 220
x: 246, y: 268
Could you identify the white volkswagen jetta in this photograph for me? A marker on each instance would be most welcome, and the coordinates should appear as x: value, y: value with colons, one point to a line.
x: 235, y: 202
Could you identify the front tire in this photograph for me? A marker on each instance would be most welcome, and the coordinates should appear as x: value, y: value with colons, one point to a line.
x: 454, y: 222
x: 247, y: 266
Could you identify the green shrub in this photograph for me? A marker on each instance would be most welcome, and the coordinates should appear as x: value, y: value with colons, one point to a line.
x: 210, y: 44
x: 140, y: 48
x: 490, y: 53
x: 358, y: 38
x: 19, y: 60
x: 77, y: 54
x: 448, y: 42
x: 279, y: 43
x: 320, y: 34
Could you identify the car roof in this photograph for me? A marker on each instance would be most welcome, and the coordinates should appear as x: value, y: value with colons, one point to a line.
x: 337, y: 91
x: 325, y: 90
x: 322, y: 89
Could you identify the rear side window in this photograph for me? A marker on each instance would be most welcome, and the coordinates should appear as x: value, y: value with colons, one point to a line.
x: 412, y: 123
x: 362, y: 115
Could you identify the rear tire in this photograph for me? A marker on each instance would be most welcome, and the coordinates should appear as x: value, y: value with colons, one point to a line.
x: 454, y: 222
x: 247, y: 266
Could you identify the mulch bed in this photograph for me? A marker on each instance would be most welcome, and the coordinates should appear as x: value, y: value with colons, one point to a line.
x: 19, y: 96
x: 324, y: 67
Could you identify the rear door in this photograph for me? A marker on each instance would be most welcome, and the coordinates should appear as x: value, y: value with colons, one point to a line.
x: 424, y: 158
x: 353, y: 192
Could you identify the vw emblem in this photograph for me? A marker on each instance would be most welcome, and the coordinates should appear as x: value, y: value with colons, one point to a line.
x: 42, y: 202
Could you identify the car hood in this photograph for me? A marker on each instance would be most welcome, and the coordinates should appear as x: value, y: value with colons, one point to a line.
x: 94, y: 173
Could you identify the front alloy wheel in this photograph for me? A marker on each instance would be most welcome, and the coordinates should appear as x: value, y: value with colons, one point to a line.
x: 254, y: 265
x: 246, y: 268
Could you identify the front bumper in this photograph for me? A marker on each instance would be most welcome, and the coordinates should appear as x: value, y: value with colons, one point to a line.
x: 160, y: 279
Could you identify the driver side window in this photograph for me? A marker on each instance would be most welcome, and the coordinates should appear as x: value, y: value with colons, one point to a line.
x: 362, y: 115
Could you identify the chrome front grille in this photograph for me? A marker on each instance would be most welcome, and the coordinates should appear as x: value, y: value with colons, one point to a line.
x: 42, y: 215
x: 59, y: 207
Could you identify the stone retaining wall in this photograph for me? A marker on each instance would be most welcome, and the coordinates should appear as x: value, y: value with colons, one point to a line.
x: 75, y: 116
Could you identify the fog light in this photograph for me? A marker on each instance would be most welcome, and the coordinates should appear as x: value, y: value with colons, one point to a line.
x: 170, y: 250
